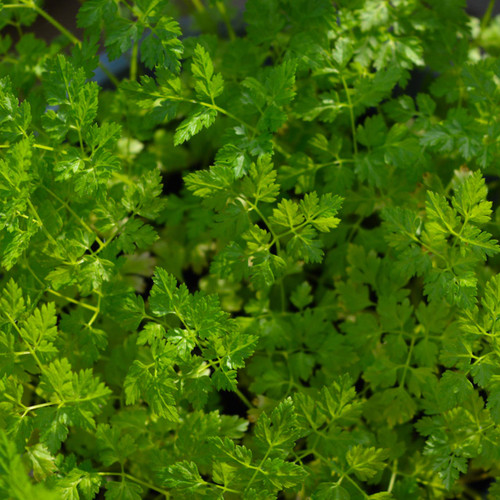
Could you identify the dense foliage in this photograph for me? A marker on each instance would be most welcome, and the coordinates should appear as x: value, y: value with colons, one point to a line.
x: 262, y: 264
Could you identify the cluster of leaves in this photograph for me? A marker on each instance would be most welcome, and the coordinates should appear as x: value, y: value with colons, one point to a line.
x: 263, y: 264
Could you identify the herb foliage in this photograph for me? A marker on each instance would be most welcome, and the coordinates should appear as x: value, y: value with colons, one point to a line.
x: 329, y: 262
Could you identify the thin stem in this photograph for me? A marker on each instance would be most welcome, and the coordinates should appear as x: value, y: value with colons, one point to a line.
x: 133, y: 62
x: 487, y: 15
x: 54, y: 22
x: 223, y: 111
x: 37, y: 217
x: 31, y: 5
x: 30, y: 349
x: 221, y: 7
x: 356, y: 485
x: 393, y: 476
x: 408, y: 361
x: 259, y: 467
x: 243, y: 398
x: 73, y: 213
x: 198, y: 5
x: 36, y: 407
x: 263, y: 218
x: 57, y: 294
x: 317, y: 167
x: 275, y: 239
x: 109, y: 74
x: 124, y: 178
x: 351, y: 112
x: 42, y: 146
x: 80, y: 139
x: 125, y: 475
x: 96, y: 313
x: 73, y: 301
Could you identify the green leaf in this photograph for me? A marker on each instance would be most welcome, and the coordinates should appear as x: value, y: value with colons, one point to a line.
x: 136, y: 234
x: 12, y: 303
x: 264, y: 19
x: 92, y: 12
x: 122, y: 490
x: 470, y: 199
x: 454, y: 388
x: 208, y: 183
x: 337, y: 402
x: 280, y: 83
x: 301, y: 296
x: 158, y: 390
x: 366, y: 462
x: 276, y: 435
x: 320, y: 212
x: 373, y: 15
x: 446, y: 463
x: 15, y: 118
x: 121, y: 35
x: 260, y: 184
x: 40, y: 329
x: 207, y: 83
x: 165, y: 297
x: 162, y: 47
x: 333, y: 491
x: 193, y: 124
x: 14, y: 480
x: 372, y: 89
x: 79, y: 484
x: 114, y: 447
x: 183, y: 476
x: 42, y: 461
x: 287, y: 214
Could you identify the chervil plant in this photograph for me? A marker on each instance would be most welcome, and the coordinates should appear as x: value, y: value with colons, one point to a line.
x: 263, y: 264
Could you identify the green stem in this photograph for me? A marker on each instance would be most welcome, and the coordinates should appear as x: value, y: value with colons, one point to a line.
x: 30, y: 349
x: 124, y: 178
x: 73, y: 301
x: 36, y: 407
x: 80, y: 137
x: 42, y: 146
x: 259, y: 467
x: 356, y: 485
x: 150, y: 486
x: 275, y: 239
x: 223, y: 111
x: 393, y: 476
x: 133, y: 62
x: 54, y: 22
x: 351, y: 112
x: 243, y: 398
x: 487, y: 15
x: 264, y: 219
x: 37, y: 217
x: 57, y: 294
x: 223, y: 12
x: 73, y: 213
x: 110, y: 75
x: 198, y: 5
x: 96, y: 312
x: 408, y: 361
